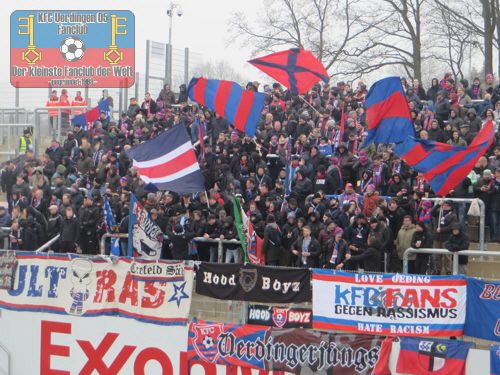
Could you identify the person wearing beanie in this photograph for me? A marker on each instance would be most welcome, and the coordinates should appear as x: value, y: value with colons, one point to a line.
x: 272, y: 242
x: 444, y: 222
x: 180, y: 239
x: 336, y: 250
x: 457, y: 241
x: 422, y: 239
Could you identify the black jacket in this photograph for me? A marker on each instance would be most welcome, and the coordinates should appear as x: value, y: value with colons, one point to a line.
x: 70, y: 230
x: 457, y: 243
x: 180, y: 244
x: 342, y: 250
x: 314, y: 250
x: 272, y: 243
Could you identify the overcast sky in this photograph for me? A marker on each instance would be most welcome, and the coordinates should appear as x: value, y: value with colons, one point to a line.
x: 202, y: 27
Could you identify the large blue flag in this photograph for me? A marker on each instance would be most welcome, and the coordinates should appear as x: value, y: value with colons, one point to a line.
x: 240, y: 107
x: 445, y: 166
x: 387, y: 113
x: 145, y: 237
x: 92, y: 115
x: 482, y: 317
x: 111, y: 227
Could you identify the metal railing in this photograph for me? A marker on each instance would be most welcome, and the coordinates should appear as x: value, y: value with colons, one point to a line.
x: 47, y: 244
x: 454, y: 254
x: 220, y: 243
x: 482, y: 208
x: 57, y: 126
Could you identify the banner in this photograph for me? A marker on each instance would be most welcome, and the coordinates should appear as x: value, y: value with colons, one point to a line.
x: 279, y: 316
x: 293, y: 350
x: 8, y: 267
x: 150, y: 291
x: 253, y: 283
x: 145, y: 238
x: 424, y: 356
x: 72, y: 48
x: 483, y: 309
x: 250, y: 242
x: 70, y: 345
x: 495, y: 360
x: 111, y: 227
x: 389, y: 304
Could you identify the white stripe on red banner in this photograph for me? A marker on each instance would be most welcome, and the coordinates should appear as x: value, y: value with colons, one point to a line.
x: 164, y: 158
x: 183, y: 172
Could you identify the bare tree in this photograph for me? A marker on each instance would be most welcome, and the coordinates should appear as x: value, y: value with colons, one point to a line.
x: 395, y: 37
x: 219, y: 69
x: 481, y: 18
x: 329, y: 28
x: 454, y: 41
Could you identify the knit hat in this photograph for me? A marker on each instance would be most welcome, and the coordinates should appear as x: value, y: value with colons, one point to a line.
x: 334, y: 161
x: 370, y: 187
x: 427, y: 204
x: 339, y: 231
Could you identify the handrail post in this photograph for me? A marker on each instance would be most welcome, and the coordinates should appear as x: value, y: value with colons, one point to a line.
x: 482, y: 209
x: 102, y: 243
x: 455, y: 263
x: 406, y: 254
x: 220, y: 250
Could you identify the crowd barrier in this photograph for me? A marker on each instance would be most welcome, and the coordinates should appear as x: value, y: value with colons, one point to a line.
x: 482, y: 208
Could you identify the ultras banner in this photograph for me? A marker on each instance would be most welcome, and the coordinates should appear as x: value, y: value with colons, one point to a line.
x: 293, y: 350
x: 254, y: 283
x: 390, y: 304
x: 151, y: 291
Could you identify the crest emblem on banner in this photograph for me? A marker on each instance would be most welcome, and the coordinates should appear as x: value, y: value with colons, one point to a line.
x: 433, y: 354
x: 206, y: 340
x: 280, y: 316
x: 248, y: 279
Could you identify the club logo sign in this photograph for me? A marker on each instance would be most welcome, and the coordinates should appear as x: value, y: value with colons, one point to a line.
x: 279, y: 316
x: 206, y: 338
x: 248, y: 279
x: 67, y: 48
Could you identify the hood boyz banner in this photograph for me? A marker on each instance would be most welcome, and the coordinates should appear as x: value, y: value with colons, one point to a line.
x: 253, y: 283
x: 294, y: 350
x: 389, y: 304
x: 150, y: 291
x: 281, y: 317
x: 483, y: 309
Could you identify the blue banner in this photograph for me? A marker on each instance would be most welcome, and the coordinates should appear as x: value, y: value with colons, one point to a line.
x: 111, y: 227
x: 483, y: 309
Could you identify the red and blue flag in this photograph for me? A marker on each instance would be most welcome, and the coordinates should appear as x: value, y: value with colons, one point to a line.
x: 92, y: 115
x: 240, y: 107
x: 426, y: 357
x: 445, y: 166
x: 169, y: 162
x: 387, y: 113
x: 296, y: 68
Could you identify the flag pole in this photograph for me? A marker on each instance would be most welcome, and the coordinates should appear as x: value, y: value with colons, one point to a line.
x: 208, y: 203
x: 305, y: 101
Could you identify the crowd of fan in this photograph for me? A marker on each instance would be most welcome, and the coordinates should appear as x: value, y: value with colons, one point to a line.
x: 348, y: 207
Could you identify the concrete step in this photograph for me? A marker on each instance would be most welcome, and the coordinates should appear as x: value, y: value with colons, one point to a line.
x: 488, y: 268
